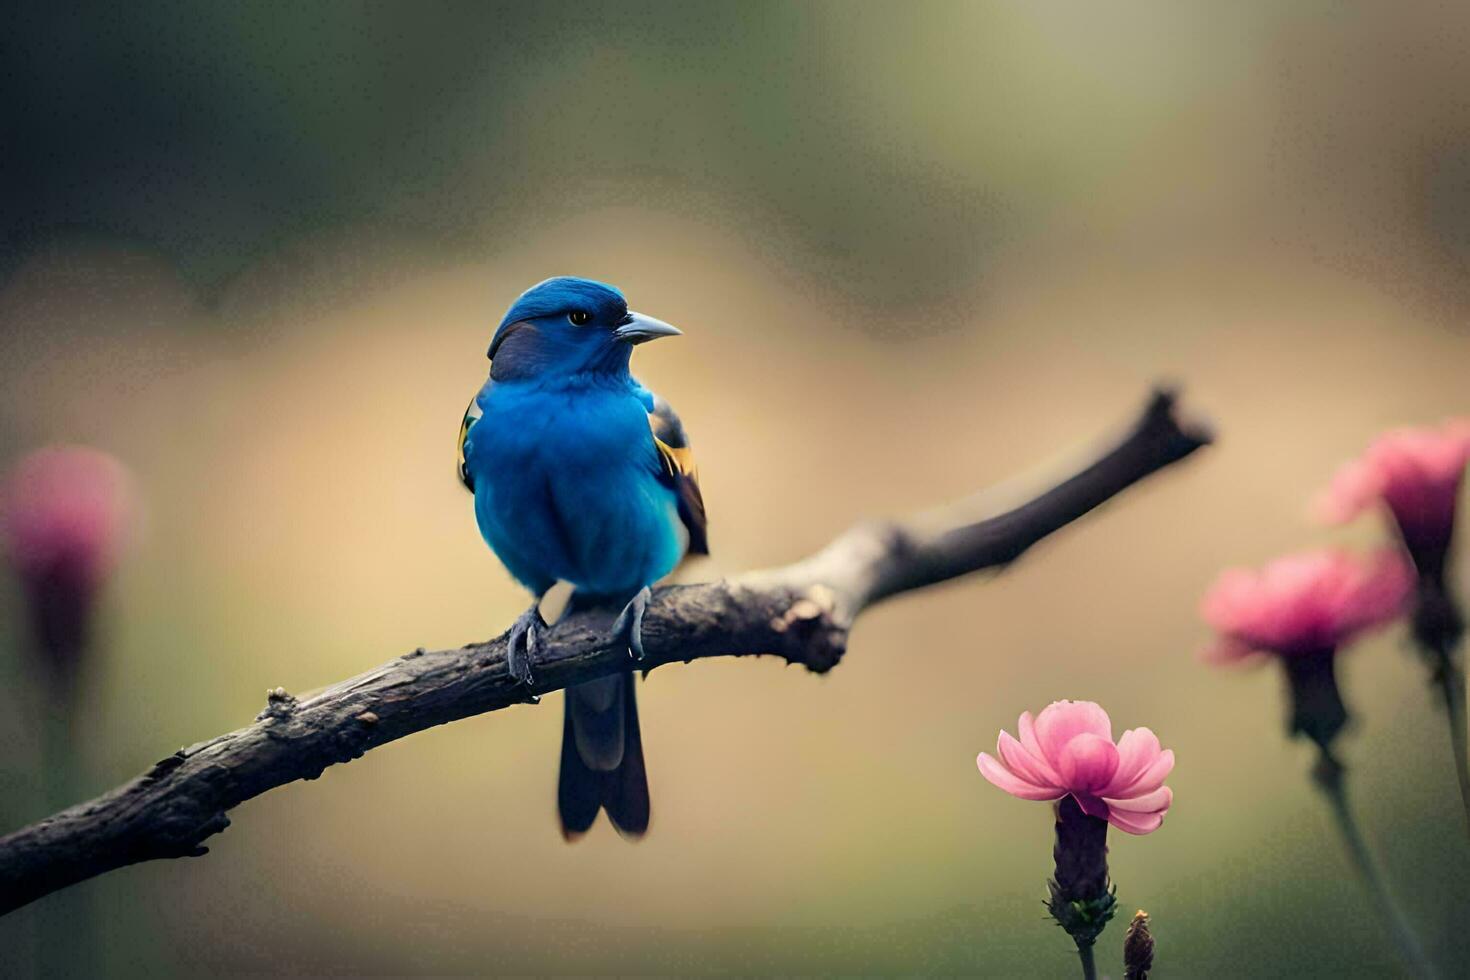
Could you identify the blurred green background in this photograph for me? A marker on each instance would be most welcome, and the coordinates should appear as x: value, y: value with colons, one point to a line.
x: 257, y: 251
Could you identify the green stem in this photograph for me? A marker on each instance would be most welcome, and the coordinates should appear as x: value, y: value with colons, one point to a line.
x: 67, y: 926
x: 1438, y: 628
x: 1451, y: 681
x: 1089, y: 968
x: 1329, y: 777
x: 58, y: 756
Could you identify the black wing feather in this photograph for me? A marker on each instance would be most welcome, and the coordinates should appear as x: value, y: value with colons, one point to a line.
x: 679, y: 473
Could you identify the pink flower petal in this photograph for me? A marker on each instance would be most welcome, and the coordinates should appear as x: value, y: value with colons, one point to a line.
x: 1137, y: 750
x: 1152, y: 778
x: 1304, y: 602
x: 1023, y: 764
x: 1062, y: 721
x: 64, y: 512
x: 1137, y: 824
x: 1011, y: 783
x: 1355, y: 487
x: 1228, y: 650
x: 1120, y: 782
x: 1026, y: 729
x: 1156, y: 802
x: 1416, y: 473
x: 1088, y: 762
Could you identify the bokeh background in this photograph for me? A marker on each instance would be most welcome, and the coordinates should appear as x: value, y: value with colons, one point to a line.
x: 257, y: 251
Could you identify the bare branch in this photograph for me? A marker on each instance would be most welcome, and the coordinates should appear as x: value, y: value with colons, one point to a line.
x: 802, y: 612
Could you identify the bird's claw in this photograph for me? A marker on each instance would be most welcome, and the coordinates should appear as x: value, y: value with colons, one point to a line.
x: 629, y: 624
x: 521, y: 646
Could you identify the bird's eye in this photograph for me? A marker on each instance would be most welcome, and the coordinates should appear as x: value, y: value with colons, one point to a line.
x: 579, y: 318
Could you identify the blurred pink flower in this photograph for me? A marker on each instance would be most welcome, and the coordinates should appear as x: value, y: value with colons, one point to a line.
x: 1304, y: 603
x: 1417, y: 474
x: 63, y: 511
x: 63, y: 514
x: 1069, y: 749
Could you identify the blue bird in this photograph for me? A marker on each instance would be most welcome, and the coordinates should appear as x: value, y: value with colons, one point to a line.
x: 582, y: 475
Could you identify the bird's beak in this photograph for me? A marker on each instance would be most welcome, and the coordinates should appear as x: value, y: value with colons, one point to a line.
x: 639, y: 328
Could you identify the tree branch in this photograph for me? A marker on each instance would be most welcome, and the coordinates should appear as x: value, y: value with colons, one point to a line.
x: 802, y: 612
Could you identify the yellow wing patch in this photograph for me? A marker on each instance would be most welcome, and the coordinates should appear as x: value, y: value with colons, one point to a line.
x: 471, y: 416
x: 677, y: 462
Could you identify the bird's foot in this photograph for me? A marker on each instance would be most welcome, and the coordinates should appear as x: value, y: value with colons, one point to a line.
x: 629, y: 624
x: 521, y: 645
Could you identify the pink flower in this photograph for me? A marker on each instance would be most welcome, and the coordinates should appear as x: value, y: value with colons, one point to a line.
x: 1069, y: 749
x: 62, y: 513
x: 1417, y: 474
x: 1304, y: 603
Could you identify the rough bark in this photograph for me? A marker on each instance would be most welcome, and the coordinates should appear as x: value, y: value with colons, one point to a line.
x: 802, y: 612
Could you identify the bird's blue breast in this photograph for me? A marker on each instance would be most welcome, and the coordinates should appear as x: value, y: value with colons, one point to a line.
x: 567, y: 487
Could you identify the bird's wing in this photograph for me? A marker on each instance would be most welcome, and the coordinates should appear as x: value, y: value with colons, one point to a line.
x: 471, y: 416
x: 678, y: 472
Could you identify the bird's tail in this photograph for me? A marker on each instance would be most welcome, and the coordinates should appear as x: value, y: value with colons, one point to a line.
x: 602, y: 759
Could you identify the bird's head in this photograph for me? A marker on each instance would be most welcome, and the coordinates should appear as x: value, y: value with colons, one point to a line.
x: 566, y: 326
